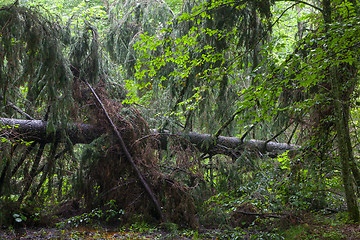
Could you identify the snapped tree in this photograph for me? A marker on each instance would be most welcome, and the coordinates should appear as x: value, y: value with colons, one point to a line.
x: 201, y: 72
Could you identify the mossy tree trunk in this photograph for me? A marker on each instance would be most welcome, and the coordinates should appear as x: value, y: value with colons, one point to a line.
x: 341, y: 114
x: 342, y: 86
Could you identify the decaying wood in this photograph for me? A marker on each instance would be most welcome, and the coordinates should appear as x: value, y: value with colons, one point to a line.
x: 35, y: 130
x: 129, y: 157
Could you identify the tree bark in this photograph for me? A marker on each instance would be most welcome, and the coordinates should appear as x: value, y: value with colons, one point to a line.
x: 341, y: 83
x: 35, y: 130
x: 341, y: 114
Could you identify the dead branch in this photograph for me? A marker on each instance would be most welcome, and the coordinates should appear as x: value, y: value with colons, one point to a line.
x: 128, y: 156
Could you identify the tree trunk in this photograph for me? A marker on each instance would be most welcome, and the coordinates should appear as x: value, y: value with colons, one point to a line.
x: 35, y: 130
x: 341, y: 113
x: 341, y: 89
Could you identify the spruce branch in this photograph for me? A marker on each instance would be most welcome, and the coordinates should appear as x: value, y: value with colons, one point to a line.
x: 128, y: 156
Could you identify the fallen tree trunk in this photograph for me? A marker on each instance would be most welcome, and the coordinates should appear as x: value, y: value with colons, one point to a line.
x: 225, y: 145
x: 35, y: 130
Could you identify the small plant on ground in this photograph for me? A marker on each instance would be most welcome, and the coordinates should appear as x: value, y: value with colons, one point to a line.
x: 110, y: 214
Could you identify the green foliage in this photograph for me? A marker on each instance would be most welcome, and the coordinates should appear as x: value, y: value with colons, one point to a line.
x: 142, y: 227
x: 235, y: 68
x: 7, y: 210
x: 19, y: 217
x: 128, y: 20
x: 193, y: 52
x: 32, y: 52
x: 317, y: 227
x: 14, y: 215
x: 85, y: 55
x: 110, y: 214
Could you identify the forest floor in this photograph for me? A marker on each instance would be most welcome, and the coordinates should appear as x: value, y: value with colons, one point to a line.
x: 83, y: 233
x: 312, y: 228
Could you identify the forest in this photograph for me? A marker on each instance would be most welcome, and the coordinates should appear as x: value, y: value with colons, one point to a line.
x: 179, y: 119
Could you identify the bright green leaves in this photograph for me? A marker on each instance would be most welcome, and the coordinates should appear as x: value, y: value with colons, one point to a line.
x: 146, y: 66
x: 284, y: 161
x: 132, y: 22
x: 5, y: 136
x: 6, y: 128
x: 346, y: 9
x: 176, y: 54
x: 207, y: 49
x: 342, y: 42
x: 193, y: 102
x: 90, y: 13
x: 132, y: 96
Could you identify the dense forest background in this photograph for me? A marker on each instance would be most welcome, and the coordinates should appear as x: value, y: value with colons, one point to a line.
x: 238, y: 115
